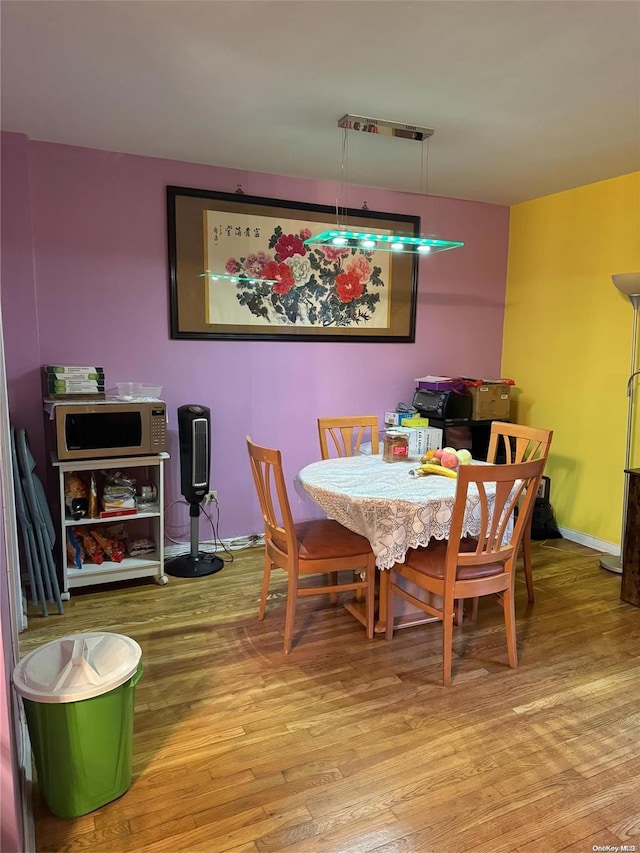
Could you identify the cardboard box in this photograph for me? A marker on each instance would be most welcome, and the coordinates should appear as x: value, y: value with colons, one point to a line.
x: 415, y: 422
x: 421, y: 439
x: 490, y: 401
x: 396, y: 418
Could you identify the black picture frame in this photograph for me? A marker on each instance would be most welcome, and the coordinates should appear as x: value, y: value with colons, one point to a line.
x: 337, y: 294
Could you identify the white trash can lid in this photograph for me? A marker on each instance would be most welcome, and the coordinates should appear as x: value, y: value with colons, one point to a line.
x: 77, y: 667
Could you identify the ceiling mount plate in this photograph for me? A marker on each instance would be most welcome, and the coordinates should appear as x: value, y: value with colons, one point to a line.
x: 385, y: 128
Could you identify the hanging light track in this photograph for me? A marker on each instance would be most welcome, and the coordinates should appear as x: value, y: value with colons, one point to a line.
x: 361, y: 239
x: 385, y: 128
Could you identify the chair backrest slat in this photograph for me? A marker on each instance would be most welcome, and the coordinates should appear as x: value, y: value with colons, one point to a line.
x: 512, y: 487
x: 520, y: 443
x: 347, y: 434
x: 268, y: 475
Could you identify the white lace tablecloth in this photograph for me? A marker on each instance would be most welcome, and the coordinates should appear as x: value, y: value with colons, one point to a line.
x: 380, y: 500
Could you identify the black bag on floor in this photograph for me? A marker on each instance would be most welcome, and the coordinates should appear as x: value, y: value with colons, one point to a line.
x: 543, y: 521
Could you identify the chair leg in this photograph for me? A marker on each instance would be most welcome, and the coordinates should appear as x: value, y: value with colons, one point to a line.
x: 474, y: 609
x: 370, y: 595
x: 508, y: 605
x: 333, y: 596
x: 384, y: 579
x: 386, y: 591
x: 290, y: 612
x: 447, y: 645
x: 359, y: 594
x: 266, y: 577
x: 526, y: 553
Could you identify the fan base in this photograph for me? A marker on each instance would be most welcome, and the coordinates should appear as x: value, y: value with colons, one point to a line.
x: 190, y: 566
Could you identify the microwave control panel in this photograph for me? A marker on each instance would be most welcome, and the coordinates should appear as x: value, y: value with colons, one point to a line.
x: 159, y: 428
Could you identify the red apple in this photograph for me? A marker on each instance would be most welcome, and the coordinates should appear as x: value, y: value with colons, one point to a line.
x: 449, y: 460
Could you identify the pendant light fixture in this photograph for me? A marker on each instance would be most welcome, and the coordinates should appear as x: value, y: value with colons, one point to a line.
x: 357, y: 238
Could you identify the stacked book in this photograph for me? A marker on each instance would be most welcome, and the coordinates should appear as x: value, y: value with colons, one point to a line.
x: 64, y: 382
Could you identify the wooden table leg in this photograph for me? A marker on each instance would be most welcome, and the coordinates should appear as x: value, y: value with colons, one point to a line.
x: 401, y: 619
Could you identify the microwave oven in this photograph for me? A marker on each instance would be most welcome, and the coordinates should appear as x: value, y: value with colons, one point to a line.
x: 92, y: 430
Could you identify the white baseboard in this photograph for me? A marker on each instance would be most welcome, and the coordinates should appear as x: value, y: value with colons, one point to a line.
x: 251, y: 539
x: 589, y: 541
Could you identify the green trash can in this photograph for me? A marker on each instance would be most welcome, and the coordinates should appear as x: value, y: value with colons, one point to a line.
x: 79, y: 697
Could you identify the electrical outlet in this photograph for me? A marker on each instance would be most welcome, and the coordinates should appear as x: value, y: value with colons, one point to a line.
x: 210, y: 497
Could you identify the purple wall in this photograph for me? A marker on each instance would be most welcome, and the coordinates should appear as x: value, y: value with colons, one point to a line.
x: 85, y: 281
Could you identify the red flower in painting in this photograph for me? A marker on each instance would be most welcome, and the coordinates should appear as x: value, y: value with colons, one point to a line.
x: 360, y: 267
x: 349, y: 286
x: 281, y: 274
x: 333, y: 253
x: 289, y: 245
x: 286, y: 283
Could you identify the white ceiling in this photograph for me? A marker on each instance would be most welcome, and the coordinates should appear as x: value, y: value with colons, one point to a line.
x: 527, y: 97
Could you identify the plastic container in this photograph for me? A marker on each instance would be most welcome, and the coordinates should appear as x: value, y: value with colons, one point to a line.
x: 79, y: 696
x: 128, y: 390
x: 150, y: 391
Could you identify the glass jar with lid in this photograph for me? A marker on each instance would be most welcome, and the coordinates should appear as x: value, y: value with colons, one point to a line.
x: 396, y: 446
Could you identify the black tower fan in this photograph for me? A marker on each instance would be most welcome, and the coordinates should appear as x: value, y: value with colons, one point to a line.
x: 194, y: 430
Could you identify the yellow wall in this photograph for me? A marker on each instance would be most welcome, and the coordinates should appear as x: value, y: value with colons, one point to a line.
x: 567, y: 342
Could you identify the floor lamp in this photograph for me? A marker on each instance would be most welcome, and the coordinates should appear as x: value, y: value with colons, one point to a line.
x: 629, y: 284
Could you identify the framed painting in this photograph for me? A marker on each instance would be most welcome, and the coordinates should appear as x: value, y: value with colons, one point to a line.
x: 239, y: 268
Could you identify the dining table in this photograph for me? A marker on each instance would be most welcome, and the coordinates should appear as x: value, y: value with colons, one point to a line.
x: 394, y: 509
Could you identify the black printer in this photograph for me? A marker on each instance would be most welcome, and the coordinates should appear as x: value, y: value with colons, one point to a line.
x: 443, y: 405
x: 451, y: 412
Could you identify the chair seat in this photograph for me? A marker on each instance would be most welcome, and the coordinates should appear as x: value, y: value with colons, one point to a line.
x: 325, y: 539
x: 431, y: 561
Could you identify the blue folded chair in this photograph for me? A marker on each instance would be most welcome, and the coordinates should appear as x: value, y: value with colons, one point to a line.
x: 43, y: 528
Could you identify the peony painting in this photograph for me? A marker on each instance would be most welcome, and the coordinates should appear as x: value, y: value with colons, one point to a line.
x: 239, y: 267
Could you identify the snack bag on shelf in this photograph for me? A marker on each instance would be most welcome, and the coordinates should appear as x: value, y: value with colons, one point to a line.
x: 93, y: 550
x: 75, y: 552
x: 113, y: 548
x: 140, y: 546
x: 76, y: 495
x: 119, y: 491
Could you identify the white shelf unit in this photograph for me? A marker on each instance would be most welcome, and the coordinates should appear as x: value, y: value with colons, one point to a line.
x: 147, y: 523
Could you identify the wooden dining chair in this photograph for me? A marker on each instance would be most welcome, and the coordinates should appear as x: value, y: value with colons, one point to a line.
x: 461, y: 567
x: 347, y: 434
x: 518, y: 443
x: 316, y: 547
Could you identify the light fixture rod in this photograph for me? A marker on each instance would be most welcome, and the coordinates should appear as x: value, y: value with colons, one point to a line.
x: 627, y: 455
x: 385, y: 128
x: 609, y: 562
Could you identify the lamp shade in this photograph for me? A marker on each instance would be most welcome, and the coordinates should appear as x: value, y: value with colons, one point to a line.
x: 627, y: 282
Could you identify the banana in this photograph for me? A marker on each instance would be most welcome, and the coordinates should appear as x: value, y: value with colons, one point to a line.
x: 430, y: 468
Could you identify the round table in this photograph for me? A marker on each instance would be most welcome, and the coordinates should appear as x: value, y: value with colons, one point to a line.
x: 382, y: 501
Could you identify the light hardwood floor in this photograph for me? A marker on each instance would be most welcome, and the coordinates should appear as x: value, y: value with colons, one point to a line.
x: 349, y: 745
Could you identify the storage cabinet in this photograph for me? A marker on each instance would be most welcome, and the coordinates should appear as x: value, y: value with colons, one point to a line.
x: 472, y: 434
x: 630, y: 589
x: 147, y: 521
